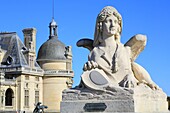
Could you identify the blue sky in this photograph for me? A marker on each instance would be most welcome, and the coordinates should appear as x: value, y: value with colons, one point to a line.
x: 76, y: 20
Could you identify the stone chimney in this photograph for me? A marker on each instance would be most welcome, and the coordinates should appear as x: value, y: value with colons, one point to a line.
x: 30, y: 43
x: 30, y: 38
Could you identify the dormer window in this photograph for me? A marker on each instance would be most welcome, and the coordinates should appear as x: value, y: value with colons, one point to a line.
x: 9, y: 60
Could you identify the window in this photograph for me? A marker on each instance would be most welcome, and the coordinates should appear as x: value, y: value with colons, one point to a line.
x: 26, y: 100
x: 9, y: 60
x: 2, y: 100
x: 26, y: 77
x: 8, y: 97
x: 36, y: 86
x: 36, y: 97
x: 31, y: 61
x: 26, y: 85
x: 68, y: 66
x: 36, y: 78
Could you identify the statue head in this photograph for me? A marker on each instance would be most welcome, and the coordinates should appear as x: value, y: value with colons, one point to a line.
x: 102, y: 16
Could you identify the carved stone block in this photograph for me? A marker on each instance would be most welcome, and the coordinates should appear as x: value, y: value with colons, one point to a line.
x: 140, y: 99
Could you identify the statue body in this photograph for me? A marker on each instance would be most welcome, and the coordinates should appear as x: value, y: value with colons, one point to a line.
x: 116, y: 68
x: 112, y: 81
x: 108, y: 54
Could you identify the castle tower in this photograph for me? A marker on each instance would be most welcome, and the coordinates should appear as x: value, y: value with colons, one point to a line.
x: 56, y: 60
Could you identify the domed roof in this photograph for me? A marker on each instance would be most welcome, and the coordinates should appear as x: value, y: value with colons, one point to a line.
x: 52, y: 49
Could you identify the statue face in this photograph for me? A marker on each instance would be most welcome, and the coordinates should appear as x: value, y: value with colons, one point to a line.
x: 110, y: 26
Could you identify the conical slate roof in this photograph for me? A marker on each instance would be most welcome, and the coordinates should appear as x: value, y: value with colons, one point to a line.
x: 15, y: 51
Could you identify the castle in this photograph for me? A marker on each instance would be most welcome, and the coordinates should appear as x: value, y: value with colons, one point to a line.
x: 25, y: 79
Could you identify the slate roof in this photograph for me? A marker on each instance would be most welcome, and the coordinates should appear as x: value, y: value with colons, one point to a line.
x: 52, y: 49
x: 15, y: 51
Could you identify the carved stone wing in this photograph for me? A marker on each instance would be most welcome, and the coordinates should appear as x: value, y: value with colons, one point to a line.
x: 86, y: 43
x: 137, y: 44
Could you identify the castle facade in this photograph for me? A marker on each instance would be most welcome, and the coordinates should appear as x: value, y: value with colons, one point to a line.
x: 26, y: 79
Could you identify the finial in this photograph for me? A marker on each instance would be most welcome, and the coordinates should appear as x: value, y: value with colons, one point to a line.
x: 53, y: 25
x: 53, y: 10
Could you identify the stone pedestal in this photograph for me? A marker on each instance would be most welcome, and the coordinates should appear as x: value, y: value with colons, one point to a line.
x: 115, y: 100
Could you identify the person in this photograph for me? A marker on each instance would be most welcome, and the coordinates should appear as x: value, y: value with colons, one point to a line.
x: 39, y: 108
x: 109, y: 55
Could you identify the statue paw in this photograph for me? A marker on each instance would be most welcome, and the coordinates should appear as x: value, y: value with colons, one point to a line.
x: 90, y: 65
x: 128, y: 81
x: 153, y: 86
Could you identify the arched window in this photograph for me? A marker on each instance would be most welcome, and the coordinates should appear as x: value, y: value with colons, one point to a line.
x: 8, y: 97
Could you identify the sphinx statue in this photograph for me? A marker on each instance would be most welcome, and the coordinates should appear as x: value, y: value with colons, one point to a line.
x: 111, y: 80
x: 111, y: 63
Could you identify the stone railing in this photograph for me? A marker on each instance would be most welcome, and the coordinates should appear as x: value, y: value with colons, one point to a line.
x: 11, y: 69
x: 32, y: 70
x: 9, y: 82
x: 58, y: 72
x: 21, y: 69
x: 9, y: 107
